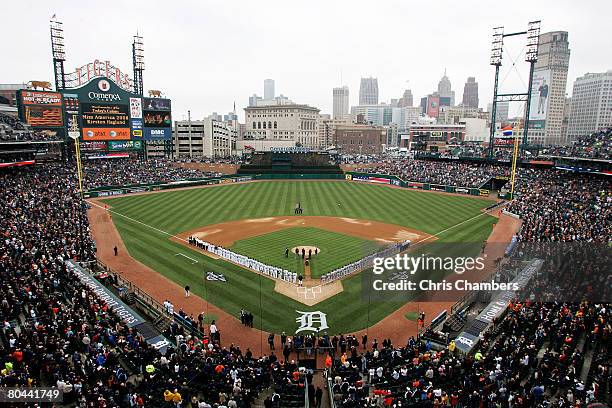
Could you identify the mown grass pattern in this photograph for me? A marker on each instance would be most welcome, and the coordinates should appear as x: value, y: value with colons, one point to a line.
x: 182, y: 210
x: 336, y: 249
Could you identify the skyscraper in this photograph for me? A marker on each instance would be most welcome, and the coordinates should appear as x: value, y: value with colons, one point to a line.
x: 444, y: 89
x: 368, y: 91
x: 470, y: 93
x: 341, y: 102
x: 406, y: 99
x: 548, y: 89
x: 268, y: 89
x: 591, y: 105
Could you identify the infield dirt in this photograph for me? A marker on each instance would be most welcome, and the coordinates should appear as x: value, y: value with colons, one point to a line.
x: 394, y: 326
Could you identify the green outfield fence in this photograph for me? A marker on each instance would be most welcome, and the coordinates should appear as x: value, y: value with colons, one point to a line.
x: 108, y: 191
x: 396, y: 181
x: 298, y: 176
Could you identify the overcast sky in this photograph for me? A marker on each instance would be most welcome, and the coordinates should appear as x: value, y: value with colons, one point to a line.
x: 205, y: 55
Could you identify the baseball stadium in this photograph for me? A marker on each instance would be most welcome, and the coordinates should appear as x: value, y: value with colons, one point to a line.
x: 292, y: 276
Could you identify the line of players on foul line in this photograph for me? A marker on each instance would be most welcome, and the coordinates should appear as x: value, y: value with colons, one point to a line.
x: 292, y: 277
x: 364, y: 263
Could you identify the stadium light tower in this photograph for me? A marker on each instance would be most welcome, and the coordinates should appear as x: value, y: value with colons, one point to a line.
x: 497, y: 46
x: 58, y: 52
x: 531, y: 56
x: 139, y: 65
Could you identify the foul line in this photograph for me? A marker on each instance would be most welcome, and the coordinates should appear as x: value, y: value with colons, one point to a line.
x: 136, y: 221
x: 453, y: 226
x: 194, y: 260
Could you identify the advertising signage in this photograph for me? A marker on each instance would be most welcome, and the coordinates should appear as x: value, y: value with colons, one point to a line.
x: 42, y: 110
x: 157, y: 125
x: 539, y: 98
x: 106, y: 134
x: 101, y: 110
x: 105, y: 121
x: 125, y: 145
x: 93, y: 146
x: 41, y: 98
x: 71, y: 109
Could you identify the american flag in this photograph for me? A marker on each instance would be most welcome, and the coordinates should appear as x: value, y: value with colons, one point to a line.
x: 45, y: 117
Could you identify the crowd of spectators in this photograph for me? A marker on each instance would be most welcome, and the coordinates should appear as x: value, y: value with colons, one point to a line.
x: 57, y: 332
x: 9, y: 135
x: 437, y: 172
x: 13, y: 130
x: 597, y: 145
x: 533, y: 356
x: 557, y: 206
x: 119, y: 172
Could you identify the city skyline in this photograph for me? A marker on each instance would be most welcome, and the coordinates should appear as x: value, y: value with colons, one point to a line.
x: 208, y: 80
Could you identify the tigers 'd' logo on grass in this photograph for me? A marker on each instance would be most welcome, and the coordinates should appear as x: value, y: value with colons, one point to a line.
x: 212, y: 276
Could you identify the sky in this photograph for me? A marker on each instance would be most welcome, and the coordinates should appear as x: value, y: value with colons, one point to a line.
x: 206, y: 55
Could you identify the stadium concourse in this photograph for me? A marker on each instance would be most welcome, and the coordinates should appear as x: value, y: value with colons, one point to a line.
x: 58, y: 332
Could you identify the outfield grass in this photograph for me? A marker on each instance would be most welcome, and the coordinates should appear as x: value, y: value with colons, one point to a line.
x: 177, y: 211
x: 336, y: 249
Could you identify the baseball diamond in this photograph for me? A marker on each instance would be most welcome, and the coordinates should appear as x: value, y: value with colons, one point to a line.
x: 318, y: 245
x: 147, y: 223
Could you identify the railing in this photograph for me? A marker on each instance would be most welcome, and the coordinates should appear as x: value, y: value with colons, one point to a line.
x: 306, y: 401
x: 153, y: 304
x: 330, y: 390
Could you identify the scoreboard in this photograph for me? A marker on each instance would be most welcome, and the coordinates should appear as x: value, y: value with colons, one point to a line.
x: 98, y: 111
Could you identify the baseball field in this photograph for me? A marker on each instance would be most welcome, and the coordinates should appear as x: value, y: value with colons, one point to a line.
x: 344, y: 220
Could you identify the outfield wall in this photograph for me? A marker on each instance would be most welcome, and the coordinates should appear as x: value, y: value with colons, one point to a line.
x: 396, y: 181
x: 107, y: 191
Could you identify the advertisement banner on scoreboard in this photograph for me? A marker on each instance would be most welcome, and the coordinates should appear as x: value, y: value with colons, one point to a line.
x: 92, y: 146
x: 136, y: 125
x: 41, y: 110
x: 157, y: 119
x: 157, y: 125
x: 106, y: 133
x: 136, y: 108
x: 105, y: 111
x: 41, y: 98
x: 124, y: 145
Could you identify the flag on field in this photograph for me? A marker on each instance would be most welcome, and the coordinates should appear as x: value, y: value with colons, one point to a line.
x: 507, y: 130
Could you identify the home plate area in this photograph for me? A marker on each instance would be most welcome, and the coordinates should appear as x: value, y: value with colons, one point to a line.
x: 309, y: 293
